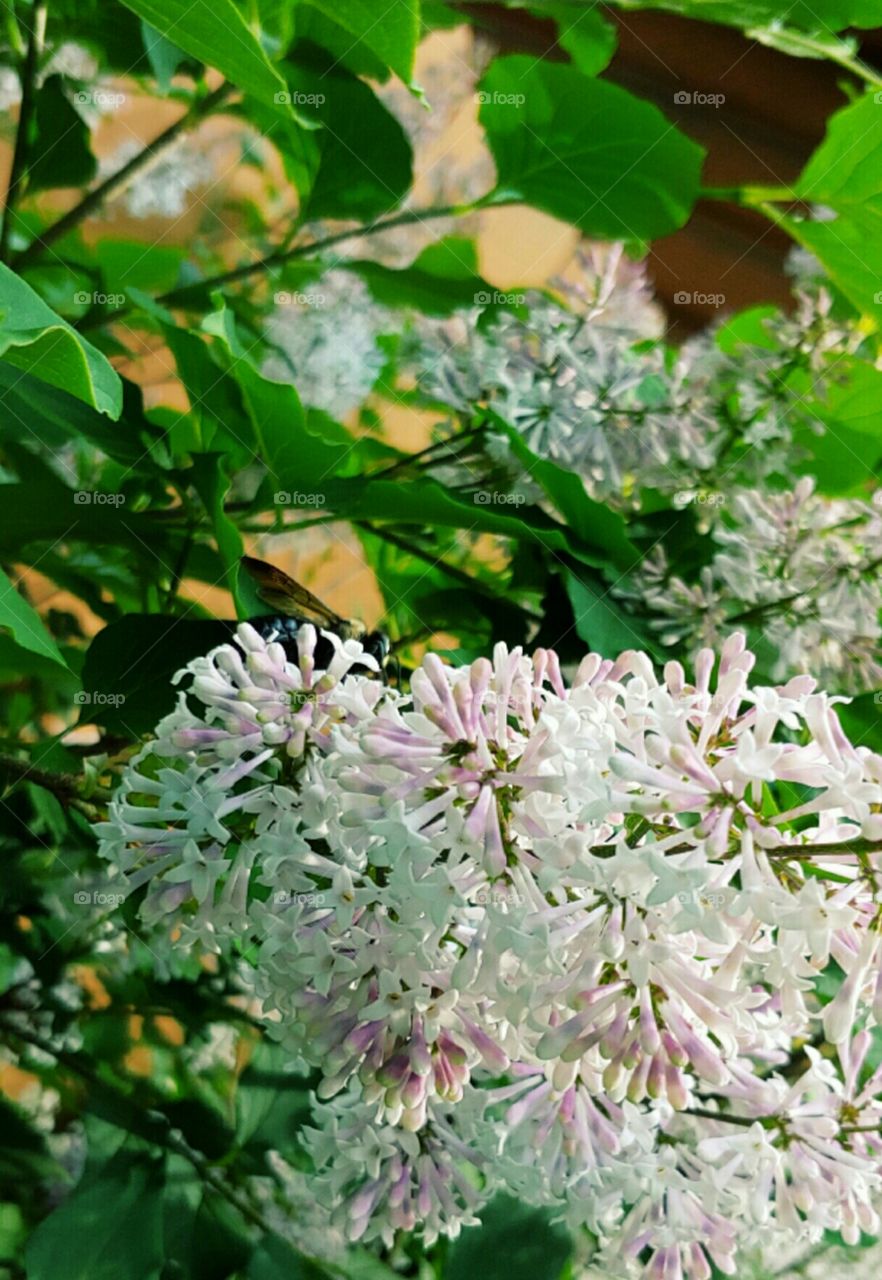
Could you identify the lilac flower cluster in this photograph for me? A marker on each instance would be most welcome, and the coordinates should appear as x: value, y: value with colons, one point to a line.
x: 612, y: 947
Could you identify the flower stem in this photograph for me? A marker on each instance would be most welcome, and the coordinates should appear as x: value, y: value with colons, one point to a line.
x: 30, y: 68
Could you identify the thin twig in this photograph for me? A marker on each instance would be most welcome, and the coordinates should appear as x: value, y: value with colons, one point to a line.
x: 64, y: 786
x: 189, y: 295
x: 122, y: 177
x: 20, y: 155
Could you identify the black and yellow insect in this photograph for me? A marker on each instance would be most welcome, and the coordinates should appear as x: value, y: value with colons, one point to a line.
x: 295, y: 606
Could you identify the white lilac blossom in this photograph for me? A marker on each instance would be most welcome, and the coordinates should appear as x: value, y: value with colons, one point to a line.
x: 325, y: 339
x: 612, y: 946
x: 588, y: 381
x: 164, y: 189
x: 803, y: 569
x: 715, y: 425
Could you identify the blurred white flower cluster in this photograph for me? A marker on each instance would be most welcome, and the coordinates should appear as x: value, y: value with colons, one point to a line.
x: 720, y: 424
x: 612, y: 947
x: 805, y: 570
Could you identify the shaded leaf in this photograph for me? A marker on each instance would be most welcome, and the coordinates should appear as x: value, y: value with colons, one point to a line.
x: 586, y: 151
x: 35, y: 339
x: 111, y: 1226
x: 25, y: 623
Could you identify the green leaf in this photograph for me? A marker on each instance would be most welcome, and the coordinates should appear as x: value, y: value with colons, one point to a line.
x: 35, y: 339
x: 61, y: 150
x: 862, y: 720
x: 845, y: 456
x: 130, y: 665
x: 217, y: 422
x: 358, y: 164
x: 215, y: 32
x: 25, y: 623
x: 318, y: 29
x: 514, y: 1242
x: 34, y: 411
x: 807, y: 15
x: 390, y: 29
x: 211, y: 480
x: 843, y: 175
x: 596, y: 525
x: 24, y: 1149
x: 111, y: 1226
x: 586, y: 151
x: 599, y: 618
x: 272, y: 1104
x: 425, y: 502
x: 587, y: 37
x: 299, y: 461
x: 165, y: 56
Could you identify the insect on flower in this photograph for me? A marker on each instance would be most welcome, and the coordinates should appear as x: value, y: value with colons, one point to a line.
x: 295, y: 606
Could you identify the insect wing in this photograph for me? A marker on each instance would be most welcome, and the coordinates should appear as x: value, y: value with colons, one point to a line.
x: 281, y: 592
